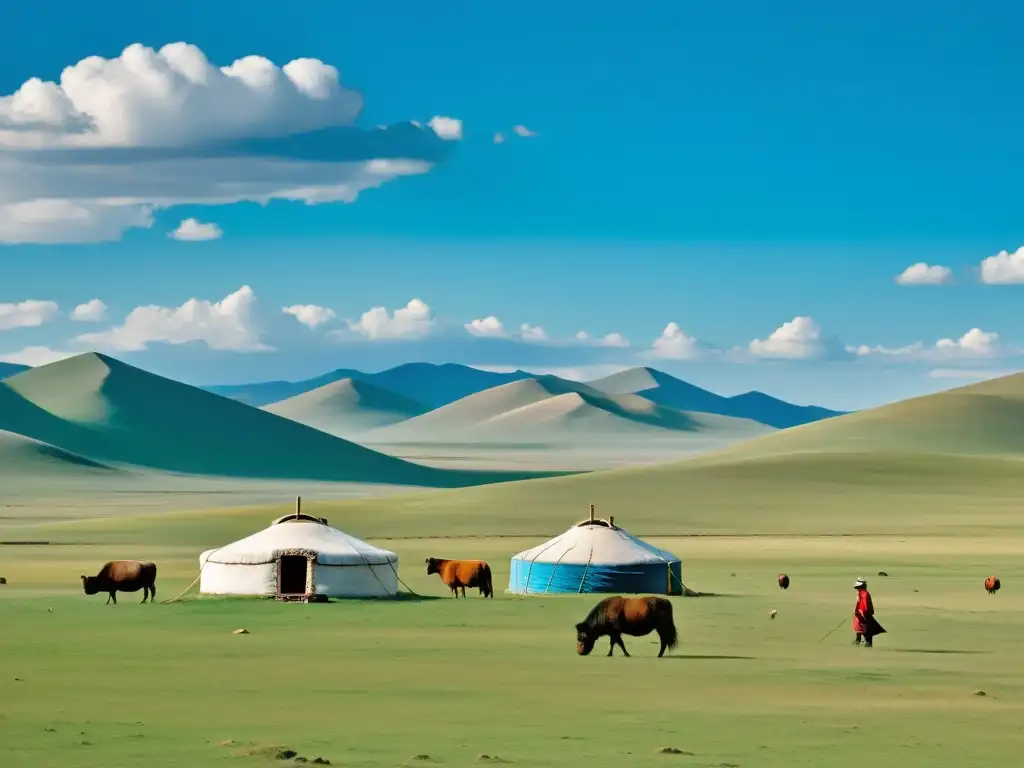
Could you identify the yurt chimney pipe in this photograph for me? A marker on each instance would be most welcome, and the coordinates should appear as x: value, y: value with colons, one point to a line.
x: 611, y: 521
x: 591, y: 513
x: 298, y: 506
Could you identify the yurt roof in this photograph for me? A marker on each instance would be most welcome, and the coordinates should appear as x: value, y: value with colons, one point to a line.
x: 596, y: 541
x: 332, y: 547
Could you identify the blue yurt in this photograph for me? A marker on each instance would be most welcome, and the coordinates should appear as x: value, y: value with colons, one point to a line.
x: 596, y: 556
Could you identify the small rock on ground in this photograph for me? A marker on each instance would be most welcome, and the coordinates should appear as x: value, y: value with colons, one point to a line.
x: 240, y: 632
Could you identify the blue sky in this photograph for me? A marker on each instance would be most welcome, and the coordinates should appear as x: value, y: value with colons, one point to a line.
x: 724, y: 168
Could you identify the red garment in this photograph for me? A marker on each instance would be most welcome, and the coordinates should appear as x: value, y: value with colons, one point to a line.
x: 865, y: 608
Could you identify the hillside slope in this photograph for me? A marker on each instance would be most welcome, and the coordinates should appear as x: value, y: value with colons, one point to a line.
x: 347, y: 407
x: 98, y: 407
x: 982, y: 419
x: 24, y: 456
x: 661, y: 388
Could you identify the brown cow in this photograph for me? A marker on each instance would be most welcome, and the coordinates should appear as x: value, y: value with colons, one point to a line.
x: 123, y: 576
x: 992, y: 584
x: 459, y: 574
x: 618, y: 616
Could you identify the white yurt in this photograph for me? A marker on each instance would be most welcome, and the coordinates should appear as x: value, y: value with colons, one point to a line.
x: 596, y: 555
x: 299, y: 557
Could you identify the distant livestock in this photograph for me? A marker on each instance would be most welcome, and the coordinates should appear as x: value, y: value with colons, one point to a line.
x: 992, y: 584
x: 123, y: 576
x: 459, y: 574
x: 783, y: 581
x: 635, y: 616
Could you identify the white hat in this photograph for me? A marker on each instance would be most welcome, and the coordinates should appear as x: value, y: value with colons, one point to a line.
x: 860, y: 583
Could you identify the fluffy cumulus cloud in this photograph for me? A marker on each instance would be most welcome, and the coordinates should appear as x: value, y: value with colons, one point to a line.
x: 925, y: 274
x: 193, y: 230
x: 488, y: 327
x: 447, y: 128
x: 529, y: 332
x: 310, y: 315
x: 1003, y: 268
x: 95, y: 154
x: 30, y: 313
x: 608, y: 340
x: 522, y: 130
x: 974, y: 344
x: 226, y: 325
x: 799, y: 339
x: 413, y: 321
x: 674, y: 344
x: 92, y: 311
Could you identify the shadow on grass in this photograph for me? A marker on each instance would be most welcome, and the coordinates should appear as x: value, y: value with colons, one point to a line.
x: 691, y: 593
x: 933, y: 650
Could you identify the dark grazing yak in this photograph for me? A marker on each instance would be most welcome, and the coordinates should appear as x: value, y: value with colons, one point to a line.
x: 783, y: 581
x: 459, y: 574
x: 123, y: 576
x: 618, y: 616
x: 992, y: 584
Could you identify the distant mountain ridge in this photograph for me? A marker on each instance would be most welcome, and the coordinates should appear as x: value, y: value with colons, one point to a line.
x: 664, y: 389
x: 551, y: 409
x: 436, y: 386
x: 10, y: 369
x: 431, y: 384
x: 347, y: 407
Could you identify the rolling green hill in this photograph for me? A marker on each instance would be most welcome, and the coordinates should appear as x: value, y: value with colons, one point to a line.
x: 100, y: 408
x: 977, y: 419
x: 347, y: 407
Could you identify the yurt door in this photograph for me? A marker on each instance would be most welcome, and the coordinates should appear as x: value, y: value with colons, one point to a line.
x: 291, y: 574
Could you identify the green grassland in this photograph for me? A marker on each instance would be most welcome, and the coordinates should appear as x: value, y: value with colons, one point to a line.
x: 435, y: 681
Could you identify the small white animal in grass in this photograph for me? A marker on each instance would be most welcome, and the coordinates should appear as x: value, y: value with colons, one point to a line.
x: 772, y: 614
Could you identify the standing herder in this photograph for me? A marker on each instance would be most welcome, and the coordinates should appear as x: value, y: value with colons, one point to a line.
x: 864, y: 624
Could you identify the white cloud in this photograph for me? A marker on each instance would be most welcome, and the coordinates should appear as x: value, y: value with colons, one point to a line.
x: 614, y: 340
x: 224, y: 325
x: 522, y: 130
x: 976, y: 343
x: 800, y: 338
x: 86, y: 159
x: 310, y: 315
x: 35, y: 356
x: 925, y: 274
x: 448, y: 128
x: 489, y: 326
x: 30, y: 313
x: 92, y: 311
x: 411, y: 322
x: 674, y: 344
x: 532, y: 333
x: 608, y: 340
x: 499, y: 138
x: 193, y: 230
x: 1003, y: 268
